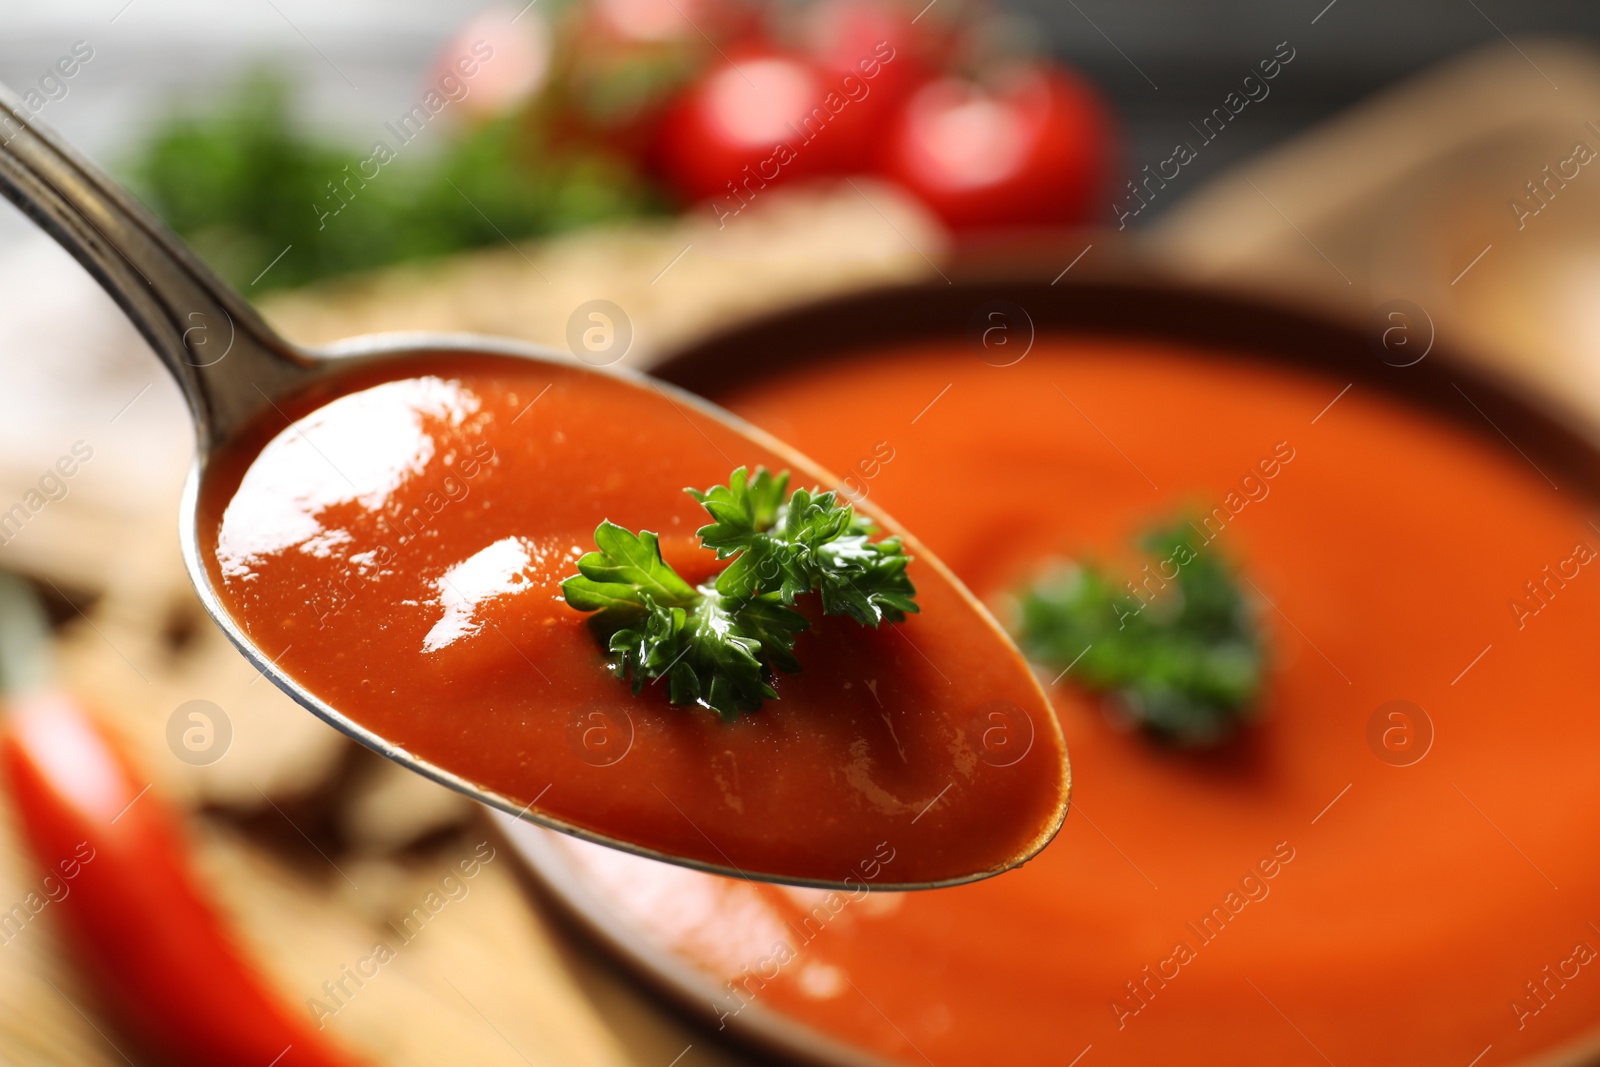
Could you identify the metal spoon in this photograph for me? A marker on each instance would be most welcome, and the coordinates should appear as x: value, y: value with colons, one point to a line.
x: 231, y: 368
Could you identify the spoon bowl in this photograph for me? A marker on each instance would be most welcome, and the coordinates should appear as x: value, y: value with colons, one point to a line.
x: 243, y: 383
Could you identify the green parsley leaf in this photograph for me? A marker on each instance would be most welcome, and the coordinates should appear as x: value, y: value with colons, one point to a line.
x: 866, y: 580
x: 1179, y: 651
x: 742, y: 510
x: 708, y: 653
x: 808, y: 543
x: 719, y: 645
x: 626, y: 576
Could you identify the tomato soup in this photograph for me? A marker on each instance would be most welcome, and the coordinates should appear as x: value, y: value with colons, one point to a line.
x: 1355, y: 880
x: 395, y: 542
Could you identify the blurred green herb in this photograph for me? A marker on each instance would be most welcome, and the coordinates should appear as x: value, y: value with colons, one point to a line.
x: 1181, y: 653
x: 718, y: 645
x: 245, y: 181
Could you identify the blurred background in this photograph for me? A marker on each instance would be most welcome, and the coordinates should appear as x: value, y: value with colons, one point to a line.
x: 355, y: 166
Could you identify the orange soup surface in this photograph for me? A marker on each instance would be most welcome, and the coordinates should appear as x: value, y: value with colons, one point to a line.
x: 395, y: 543
x: 1339, y: 886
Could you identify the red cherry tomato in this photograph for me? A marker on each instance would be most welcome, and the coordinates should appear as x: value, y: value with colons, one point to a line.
x: 1030, y: 151
x: 761, y: 119
x: 619, y: 62
x: 846, y: 36
x: 875, y: 57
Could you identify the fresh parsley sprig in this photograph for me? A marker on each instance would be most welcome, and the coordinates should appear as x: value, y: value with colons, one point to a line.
x: 805, y: 543
x: 1181, y: 654
x: 719, y: 644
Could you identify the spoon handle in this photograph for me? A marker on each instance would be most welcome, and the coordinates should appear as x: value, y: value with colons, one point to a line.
x: 227, y: 361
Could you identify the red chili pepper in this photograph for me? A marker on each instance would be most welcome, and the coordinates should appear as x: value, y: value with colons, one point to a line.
x: 135, y: 914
